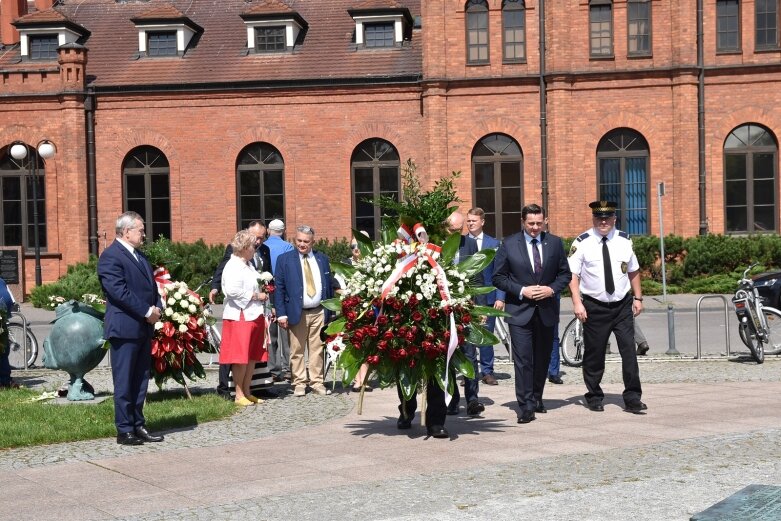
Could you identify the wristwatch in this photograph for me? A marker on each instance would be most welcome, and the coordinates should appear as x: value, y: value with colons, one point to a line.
x: 638, y: 298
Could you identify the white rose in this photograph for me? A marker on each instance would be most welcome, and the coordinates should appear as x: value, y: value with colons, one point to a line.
x: 169, y: 312
x: 158, y: 325
x: 171, y: 301
x: 192, y: 308
x: 200, y: 321
x: 183, y: 328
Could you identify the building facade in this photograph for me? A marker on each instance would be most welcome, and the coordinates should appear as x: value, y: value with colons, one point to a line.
x: 204, y: 114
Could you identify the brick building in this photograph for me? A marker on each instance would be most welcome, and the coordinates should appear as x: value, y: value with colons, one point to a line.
x: 204, y: 114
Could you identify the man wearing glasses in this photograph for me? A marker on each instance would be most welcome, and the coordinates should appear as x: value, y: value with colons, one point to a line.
x: 606, y: 296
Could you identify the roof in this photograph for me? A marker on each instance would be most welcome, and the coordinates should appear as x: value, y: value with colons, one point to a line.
x: 165, y: 14
x: 325, y: 54
x: 49, y: 18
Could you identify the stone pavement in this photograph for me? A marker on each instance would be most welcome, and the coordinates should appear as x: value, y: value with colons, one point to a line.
x: 712, y: 428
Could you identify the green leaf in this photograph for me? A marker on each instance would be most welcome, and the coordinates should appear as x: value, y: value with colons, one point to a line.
x: 364, y: 243
x: 481, y: 290
x: 408, y: 385
x: 449, y: 249
x: 462, y: 364
x: 343, y: 269
x: 349, y: 362
x: 477, y: 262
x: 336, y: 326
x: 334, y: 304
x: 480, y: 336
x: 487, y: 311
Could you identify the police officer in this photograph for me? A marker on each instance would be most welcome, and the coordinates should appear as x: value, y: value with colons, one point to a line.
x: 606, y: 296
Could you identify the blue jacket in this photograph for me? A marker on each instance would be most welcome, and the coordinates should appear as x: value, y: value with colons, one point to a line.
x: 6, y: 298
x: 289, y: 280
x: 130, y: 291
x: 488, y: 274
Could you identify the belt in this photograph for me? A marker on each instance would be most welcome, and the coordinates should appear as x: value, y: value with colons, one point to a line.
x: 598, y: 302
x: 314, y: 308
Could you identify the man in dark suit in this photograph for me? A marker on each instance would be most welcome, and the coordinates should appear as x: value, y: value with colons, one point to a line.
x: 303, y: 280
x: 475, y: 220
x: 132, y: 308
x: 531, y: 268
x: 262, y: 262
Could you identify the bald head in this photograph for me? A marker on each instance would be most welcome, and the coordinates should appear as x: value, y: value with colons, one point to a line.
x: 455, y: 223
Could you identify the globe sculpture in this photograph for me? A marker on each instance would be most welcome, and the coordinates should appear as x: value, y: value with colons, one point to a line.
x: 75, y: 345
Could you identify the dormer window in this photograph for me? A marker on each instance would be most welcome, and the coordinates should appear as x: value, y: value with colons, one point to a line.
x: 43, y: 46
x: 161, y: 43
x: 381, y: 27
x: 164, y: 31
x: 270, y: 39
x: 42, y: 32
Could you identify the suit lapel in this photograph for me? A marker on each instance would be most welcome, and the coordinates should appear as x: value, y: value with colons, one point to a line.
x: 140, y: 264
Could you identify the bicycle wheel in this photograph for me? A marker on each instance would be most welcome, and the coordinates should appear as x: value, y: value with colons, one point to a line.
x: 572, y: 344
x: 18, y: 349
x: 214, y: 338
x: 753, y: 343
x: 773, y: 321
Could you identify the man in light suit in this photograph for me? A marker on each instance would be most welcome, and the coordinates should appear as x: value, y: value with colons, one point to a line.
x: 303, y: 279
x: 132, y: 308
x: 475, y: 220
x: 531, y: 268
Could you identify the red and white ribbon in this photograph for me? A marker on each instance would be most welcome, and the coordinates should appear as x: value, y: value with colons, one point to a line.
x: 162, y: 277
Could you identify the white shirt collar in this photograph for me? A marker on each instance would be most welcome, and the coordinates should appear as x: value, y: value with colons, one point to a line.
x: 128, y: 246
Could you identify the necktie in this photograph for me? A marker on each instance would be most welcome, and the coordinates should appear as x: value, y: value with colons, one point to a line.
x: 135, y: 256
x: 309, y: 279
x: 537, y: 259
x: 610, y: 287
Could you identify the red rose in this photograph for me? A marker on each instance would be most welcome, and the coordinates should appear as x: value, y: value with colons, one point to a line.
x: 466, y: 318
x: 396, y: 319
x: 433, y: 313
x: 402, y: 352
x: 403, y: 330
x: 373, y: 331
x: 411, y: 363
x: 373, y: 359
x: 426, y: 345
x: 270, y: 288
x: 358, y: 334
x: 410, y: 337
x: 382, y: 345
x: 335, y: 348
x: 351, y: 316
x: 192, y: 323
x: 382, y: 320
x: 459, y: 328
x: 388, y: 335
x: 417, y: 316
x: 370, y: 313
x: 413, y: 301
x: 357, y: 344
x: 397, y: 305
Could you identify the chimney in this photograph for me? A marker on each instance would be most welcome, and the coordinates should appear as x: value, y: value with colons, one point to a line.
x: 43, y: 5
x: 10, y: 10
x: 73, y: 61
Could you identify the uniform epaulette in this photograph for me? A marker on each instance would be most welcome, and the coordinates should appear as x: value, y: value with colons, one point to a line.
x: 623, y: 234
x: 582, y: 236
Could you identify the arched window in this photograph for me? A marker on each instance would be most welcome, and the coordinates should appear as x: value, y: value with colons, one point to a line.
x: 497, y: 175
x: 260, y: 178
x: 16, y: 187
x: 477, y: 32
x: 147, y: 189
x: 375, y: 170
x: 622, y: 162
x: 750, y: 173
x: 514, y: 30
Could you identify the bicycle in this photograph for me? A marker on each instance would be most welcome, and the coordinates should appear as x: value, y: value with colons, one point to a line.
x: 22, y: 343
x: 572, y: 345
x: 760, y: 325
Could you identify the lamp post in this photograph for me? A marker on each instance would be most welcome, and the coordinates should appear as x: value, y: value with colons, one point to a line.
x: 46, y: 150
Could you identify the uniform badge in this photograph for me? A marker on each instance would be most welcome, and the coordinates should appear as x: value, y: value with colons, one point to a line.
x: 572, y: 250
x: 624, y: 266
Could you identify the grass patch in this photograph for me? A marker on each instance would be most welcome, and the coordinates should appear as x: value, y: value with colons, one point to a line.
x: 26, y: 422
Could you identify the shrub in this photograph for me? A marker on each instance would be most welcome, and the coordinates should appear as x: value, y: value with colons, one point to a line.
x: 338, y: 250
x: 80, y: 278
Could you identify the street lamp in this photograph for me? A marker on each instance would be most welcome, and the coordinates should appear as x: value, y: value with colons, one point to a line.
x: 46, y: 150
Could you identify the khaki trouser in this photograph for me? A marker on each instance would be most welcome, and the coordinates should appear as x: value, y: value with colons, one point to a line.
x: 307, y: 333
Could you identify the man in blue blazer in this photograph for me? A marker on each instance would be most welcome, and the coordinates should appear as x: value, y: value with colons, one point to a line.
x: 475, y: 220
x: 531, y: 268
x: 303, y: 280
x: 132, y: 308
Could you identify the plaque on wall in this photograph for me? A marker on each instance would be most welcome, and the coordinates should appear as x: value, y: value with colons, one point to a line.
x: 9, y: 266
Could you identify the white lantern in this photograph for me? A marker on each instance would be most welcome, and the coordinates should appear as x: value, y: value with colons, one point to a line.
x: 18, y: 151
x: 46, y: 150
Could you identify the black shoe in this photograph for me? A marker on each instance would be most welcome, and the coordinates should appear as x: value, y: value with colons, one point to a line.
x: 643, y: 348
x: 490, y: 379
x: 474, y: 408
x: 527, y: 417
x: 540, y: 407
x: 404, y: 423
x: 265, y: 393
x: 596, y: 406
x: 452, y: 410
x: 437, y: 431
x: 143, y: 434
x: 636, y: 407
x: 555, y: 380
x: 128, y: 438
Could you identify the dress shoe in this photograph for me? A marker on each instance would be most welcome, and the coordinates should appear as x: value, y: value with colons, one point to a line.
x: 643, y: 348
x: 277, y: 378
x: 474, y: 408
x: 128, y: 438
x: 636, y: 406
x: 404, y: 423
x: 596, y: 406
x: 490, y: 379
x: 527, y: 417
x: 265, y: 393
x: 300, y: 391
x: 555, y: 380
x: 143, y: 434
x: 320, y: 390
x: 540, y: 407
x: 437, y: 431
x: 452, y: 410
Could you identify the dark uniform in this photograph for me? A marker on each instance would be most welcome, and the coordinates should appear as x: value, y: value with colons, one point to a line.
x: 607, y: 311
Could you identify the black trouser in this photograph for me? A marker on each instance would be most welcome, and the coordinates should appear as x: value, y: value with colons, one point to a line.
x: 435, y: 404
x: 602, y: 320
x: 531, y: 345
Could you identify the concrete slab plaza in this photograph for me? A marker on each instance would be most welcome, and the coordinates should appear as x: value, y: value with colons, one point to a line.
x: 712, y: 428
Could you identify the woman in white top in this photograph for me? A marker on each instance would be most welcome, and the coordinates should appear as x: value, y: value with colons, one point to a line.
x: 242, y: 317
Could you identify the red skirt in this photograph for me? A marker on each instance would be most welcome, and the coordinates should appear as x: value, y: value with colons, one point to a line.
x: 243, y: 341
